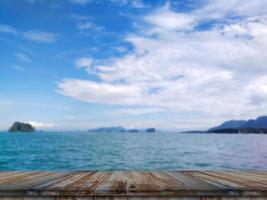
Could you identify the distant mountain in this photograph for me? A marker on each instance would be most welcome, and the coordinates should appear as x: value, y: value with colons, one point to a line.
x: 21, y: 127
x: 240, y: 130
x: 258, y: 125
x: 119, y: 129
x: 230, y: 124
x: 260, y: 122
x: 108, y: 129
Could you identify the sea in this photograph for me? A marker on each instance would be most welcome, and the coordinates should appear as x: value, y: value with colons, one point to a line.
x: 132, y: 151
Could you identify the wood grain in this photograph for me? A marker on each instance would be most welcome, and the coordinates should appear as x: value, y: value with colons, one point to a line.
x: 133, y: 185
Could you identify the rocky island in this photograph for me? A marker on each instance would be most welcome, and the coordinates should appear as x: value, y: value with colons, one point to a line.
x: 21, y: 127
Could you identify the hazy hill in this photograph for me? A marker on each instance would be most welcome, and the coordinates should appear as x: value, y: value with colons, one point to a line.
x: 108, y: 129
x: 258, y: 125
x: 260, y: 122
x: 230, y: 124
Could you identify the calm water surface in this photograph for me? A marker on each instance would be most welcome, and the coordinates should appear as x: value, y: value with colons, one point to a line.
x: 139, y: 151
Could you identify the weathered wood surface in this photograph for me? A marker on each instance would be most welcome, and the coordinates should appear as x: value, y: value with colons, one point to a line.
x: 132, y: 185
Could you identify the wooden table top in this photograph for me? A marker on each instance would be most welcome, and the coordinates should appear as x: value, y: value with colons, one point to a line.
x: 132, y: 183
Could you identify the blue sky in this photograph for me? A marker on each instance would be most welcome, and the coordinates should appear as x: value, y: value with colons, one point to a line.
x: 78, y: 64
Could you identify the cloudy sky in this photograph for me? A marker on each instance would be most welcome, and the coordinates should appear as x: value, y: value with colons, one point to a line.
x: 185, y: 64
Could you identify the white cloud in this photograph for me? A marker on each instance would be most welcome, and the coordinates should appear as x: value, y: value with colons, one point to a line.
x: 138, y: 111
x: 79, y: 17
x: 165, y: 19
x: 220, y: 9
x: 84, y: 62
x: 86, y: 25
x: 137, y: 4
x: 219, y: 71
x: 7, y: 29
x: 40, y: 36
x: 99, y: 92
x: 131, y: 3
x: 41, y: 124
x: 32, y: 1
x: 256, y: 91
x: 79, y: 2
x: 89, y: 26
x: 23, y: 57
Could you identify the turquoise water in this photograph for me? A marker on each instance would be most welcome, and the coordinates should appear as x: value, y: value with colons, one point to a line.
x: 135, y: 151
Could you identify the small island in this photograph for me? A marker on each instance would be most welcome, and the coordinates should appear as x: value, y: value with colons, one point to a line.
x: 133, y: 130
x: 119, y: 129
x: 150, y: 130
x: 21, y: 127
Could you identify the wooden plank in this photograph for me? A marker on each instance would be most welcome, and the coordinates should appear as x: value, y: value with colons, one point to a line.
x: 116, y: 184
x: 214, y: 180
x: 4, y: 175
x: 8, y: 173
x: 163, y: 183
x: 239, y: 185
x: 89, y: 182
x: 167, y: 183
x: 193, y: 183
x: 28, y: 182
x: 204, y: 178
x: 133, y: 184
x: 78, y: 183
x: 245, y: 181
x: 63, y: 182
x: 179, y: 184
x: 15, y: 177
x: 142, y: 183
x: 54, y: 187
x: 256, y: 176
